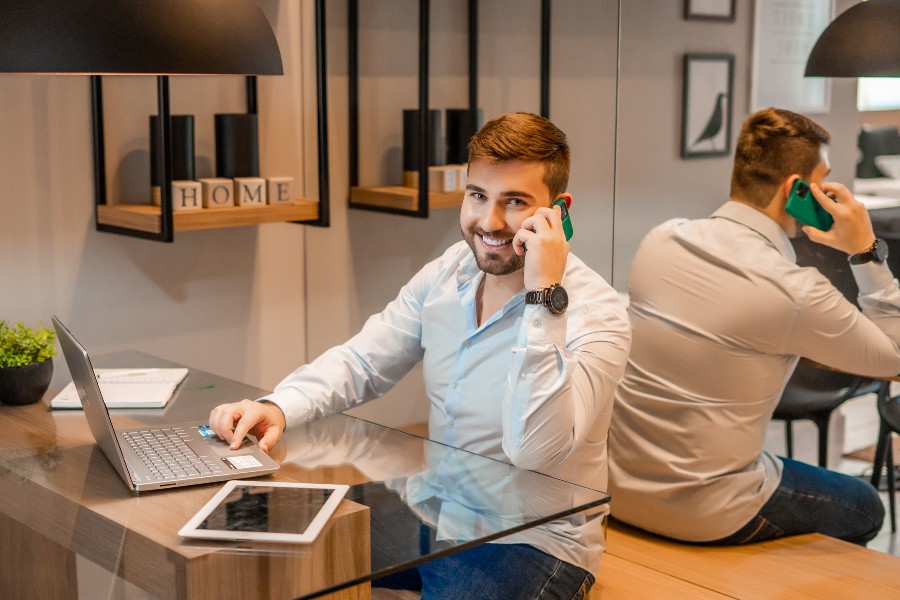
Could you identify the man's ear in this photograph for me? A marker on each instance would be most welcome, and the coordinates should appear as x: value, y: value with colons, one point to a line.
x: 567, y: 197
x: 787, y: 184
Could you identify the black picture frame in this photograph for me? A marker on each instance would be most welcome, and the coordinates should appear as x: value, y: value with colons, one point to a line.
x: 709, y: 10
x: 708, y: 93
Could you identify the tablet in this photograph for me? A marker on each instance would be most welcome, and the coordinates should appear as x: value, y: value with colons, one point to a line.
x: 266, y: 511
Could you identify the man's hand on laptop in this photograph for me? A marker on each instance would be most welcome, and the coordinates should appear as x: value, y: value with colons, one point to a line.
x: 232, y: 422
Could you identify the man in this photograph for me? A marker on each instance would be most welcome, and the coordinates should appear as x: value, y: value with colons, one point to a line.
x: 511, y: 372
x: 720, y: 313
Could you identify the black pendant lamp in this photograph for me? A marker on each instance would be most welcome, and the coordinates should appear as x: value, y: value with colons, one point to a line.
x: 152, y: 37
x: 863, y: 41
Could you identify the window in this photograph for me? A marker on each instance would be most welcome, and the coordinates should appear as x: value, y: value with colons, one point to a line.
x: 878, y: 93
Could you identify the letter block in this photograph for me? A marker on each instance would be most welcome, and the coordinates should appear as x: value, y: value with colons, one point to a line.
x: 218, y: 192
x: 249, y: 191
x: 440, y: 178
x: 280, y: 190
x: 186, y: 195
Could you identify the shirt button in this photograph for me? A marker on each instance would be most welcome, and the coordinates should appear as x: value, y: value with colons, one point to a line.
x: 451, y: 423
x: 453, y: 384
x: 538, y: 323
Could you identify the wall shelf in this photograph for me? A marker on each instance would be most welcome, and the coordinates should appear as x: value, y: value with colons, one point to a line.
x: 148, y: 218
x: 399, y: 198
x: 160, y: 222
x: 416, y: 202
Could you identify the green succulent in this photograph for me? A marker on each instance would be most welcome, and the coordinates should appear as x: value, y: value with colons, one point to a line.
x: 21, y: 345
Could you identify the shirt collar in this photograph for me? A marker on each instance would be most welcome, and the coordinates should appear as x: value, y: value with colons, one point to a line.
x: 749, y: 217
x: 468, y: 268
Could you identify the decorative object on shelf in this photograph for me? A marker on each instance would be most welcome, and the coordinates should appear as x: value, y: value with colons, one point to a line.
x: 237, y: 145
x: 280, y: 190
x: 861, y: 42
x: 186, y: 195
x: 26, y: 363
x: 418, y: 202
x: 783, y: 34
x: 218, y: 192
x: 462, y: 124
x: 441, y: 178
x: 249, y: 191
x: 706, y: 109
x: 412, y: 153
x: 97, y: 37
x: 709, y: 10
x: 183, y: 164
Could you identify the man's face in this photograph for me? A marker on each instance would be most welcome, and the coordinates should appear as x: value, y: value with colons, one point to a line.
x: 818, y: 176
x: 499, y: 196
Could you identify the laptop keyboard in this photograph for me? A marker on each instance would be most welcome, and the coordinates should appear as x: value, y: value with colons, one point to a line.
x: 166, y: 454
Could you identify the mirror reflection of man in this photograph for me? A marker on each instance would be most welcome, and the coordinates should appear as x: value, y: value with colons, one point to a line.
x: 522, y: 351
x: 721, y: 313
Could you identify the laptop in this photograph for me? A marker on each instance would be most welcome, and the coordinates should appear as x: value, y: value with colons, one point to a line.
x: 159, y: 456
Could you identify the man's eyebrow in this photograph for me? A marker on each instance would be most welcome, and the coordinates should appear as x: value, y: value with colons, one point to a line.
x: 507, y: 194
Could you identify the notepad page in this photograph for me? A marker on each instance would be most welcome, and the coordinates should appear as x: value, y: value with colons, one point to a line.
x: 128, y: 388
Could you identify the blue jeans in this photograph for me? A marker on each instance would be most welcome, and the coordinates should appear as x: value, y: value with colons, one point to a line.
x: 501, y: 571
x: 814, y: 500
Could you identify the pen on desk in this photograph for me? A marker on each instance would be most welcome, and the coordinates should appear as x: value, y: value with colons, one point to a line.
x: 126, y: 373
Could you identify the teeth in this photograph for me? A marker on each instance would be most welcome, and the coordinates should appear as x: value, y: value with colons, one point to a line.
x: 495, y: 242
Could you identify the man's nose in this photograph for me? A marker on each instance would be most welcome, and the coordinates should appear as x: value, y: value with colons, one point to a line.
x: 492, y: 219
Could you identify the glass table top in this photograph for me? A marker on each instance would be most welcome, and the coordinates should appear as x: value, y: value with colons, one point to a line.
x: 411, y: 499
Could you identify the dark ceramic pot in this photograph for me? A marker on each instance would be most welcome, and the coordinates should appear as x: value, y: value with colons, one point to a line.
x: 25, y: 384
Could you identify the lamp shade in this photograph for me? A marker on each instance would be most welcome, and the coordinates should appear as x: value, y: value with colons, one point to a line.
x: 153, y: 37
x: 863, y: 41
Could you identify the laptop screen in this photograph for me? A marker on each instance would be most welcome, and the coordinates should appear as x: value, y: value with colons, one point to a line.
x: 91, y: 399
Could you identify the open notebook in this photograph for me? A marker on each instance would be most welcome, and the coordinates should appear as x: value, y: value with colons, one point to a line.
x: 128, y: 388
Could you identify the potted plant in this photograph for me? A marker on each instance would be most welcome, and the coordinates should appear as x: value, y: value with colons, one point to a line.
x: 26, y: 362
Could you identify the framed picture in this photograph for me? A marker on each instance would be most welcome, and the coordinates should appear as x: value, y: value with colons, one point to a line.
x: 709, y: 10
x: 706, y: 108
x: 784, y: 33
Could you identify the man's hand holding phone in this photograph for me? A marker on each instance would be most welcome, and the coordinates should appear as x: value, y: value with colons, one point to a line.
x: 852, y: 229
x: 546, y: 238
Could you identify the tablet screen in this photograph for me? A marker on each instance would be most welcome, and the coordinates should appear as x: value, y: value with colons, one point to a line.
x: 270, y: 511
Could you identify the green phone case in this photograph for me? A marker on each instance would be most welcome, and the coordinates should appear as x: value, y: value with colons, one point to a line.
x: 566, y: 220
x: 805, y: 208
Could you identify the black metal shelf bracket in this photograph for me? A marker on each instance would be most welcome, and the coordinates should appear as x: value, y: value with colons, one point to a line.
x: 424, y: 131
x: 167, y: 229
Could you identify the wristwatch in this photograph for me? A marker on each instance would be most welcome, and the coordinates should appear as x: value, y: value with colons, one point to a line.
x: 554, y: 298
x: 877, y: 252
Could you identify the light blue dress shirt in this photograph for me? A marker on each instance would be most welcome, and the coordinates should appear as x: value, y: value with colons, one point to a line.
x: 527, y: 387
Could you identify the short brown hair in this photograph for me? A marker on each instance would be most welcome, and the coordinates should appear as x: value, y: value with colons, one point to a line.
x: 773, y: 145
x: 525, y: 136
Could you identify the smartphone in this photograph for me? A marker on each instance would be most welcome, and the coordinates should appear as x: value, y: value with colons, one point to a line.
x: 566, y: 218
x: 803, y: 206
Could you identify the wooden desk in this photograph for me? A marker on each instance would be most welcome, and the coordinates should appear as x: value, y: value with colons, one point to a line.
x: 60, y: 497
x: 71, y: 501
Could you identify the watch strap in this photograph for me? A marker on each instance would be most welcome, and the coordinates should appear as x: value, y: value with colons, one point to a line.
x: 877, y: 252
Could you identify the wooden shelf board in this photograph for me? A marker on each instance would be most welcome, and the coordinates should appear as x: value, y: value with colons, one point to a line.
x: 146, y: 217
x: 405, y: 198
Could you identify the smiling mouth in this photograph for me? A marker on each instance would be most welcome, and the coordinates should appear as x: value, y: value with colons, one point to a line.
x: 493, y: 242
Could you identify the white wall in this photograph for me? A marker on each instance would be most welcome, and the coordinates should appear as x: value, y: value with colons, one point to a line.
x: 377, y: 253
x: 229, y: 301
x: 254, y: 302
x: 653, y: 183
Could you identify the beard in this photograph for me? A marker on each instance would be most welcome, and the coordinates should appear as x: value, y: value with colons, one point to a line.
x: 492, y: 263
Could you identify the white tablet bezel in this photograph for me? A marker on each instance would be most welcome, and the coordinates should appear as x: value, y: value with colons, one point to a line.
x: 190, y: 530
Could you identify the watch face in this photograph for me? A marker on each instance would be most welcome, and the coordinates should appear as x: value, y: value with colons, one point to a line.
x: 881, y: 250
x: 559, y: 300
